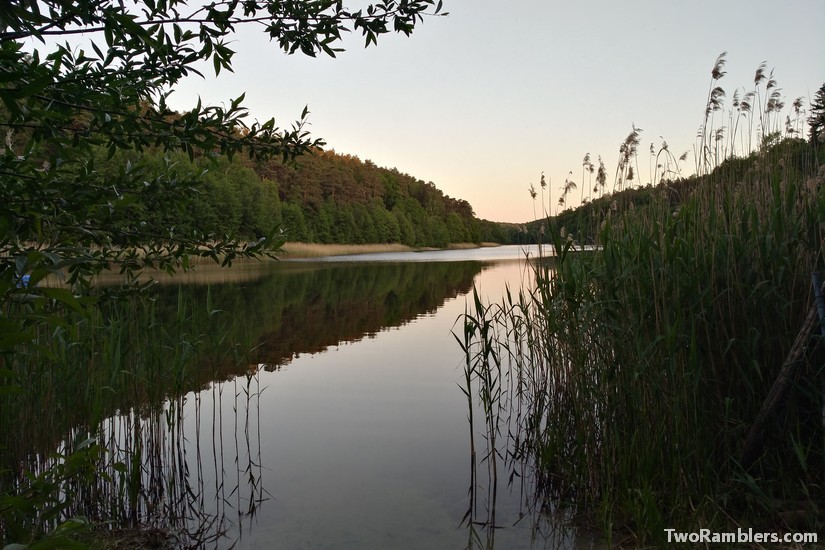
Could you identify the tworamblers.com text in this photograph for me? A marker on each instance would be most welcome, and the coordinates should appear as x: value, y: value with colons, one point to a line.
x: 739, y: 536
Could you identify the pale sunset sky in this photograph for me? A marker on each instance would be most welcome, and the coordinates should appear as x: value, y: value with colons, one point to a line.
x: 480, y: 102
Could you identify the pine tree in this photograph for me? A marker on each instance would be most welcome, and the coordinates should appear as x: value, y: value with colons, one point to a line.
x: 816, y: 121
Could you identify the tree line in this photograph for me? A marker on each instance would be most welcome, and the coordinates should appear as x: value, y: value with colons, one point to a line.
x: 322, y: 197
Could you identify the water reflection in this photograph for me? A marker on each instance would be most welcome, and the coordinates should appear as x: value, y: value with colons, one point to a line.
x: 326, y: 305
x: 180, y: 449
x: 176, y: 468
x: 297, y: 414
x: 508, y: 490
x: 296, y: 308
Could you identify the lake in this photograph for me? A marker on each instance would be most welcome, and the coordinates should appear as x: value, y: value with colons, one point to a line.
x: 346, y: 427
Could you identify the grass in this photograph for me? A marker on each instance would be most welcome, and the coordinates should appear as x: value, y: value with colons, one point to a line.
x: 625, y: 380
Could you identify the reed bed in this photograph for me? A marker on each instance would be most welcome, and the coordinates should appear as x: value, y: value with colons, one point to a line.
x: 623, y: 382
x: 315, y: 250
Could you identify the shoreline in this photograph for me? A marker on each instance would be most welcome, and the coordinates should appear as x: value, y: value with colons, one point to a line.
x: 300, y: 250
x: 203, y: 270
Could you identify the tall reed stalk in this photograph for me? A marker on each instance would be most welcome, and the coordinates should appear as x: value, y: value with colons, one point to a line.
x: 638, y: 368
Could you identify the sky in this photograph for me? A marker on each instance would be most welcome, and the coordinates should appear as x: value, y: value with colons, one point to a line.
x: 482, y: 101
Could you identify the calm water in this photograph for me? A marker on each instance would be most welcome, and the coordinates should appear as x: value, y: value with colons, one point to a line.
x: 366, y: 443
x: 349, y: 429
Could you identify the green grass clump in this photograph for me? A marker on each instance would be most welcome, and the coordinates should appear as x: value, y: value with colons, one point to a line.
x: 634, y: 372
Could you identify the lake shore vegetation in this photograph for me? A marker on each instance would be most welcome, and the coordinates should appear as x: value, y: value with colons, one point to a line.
x: 629, y: 375
x: 98, y: 171
x: 627, y: 379
x: 317, y: 250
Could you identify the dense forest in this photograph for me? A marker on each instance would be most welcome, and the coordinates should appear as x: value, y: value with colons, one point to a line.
x: 321, y: 197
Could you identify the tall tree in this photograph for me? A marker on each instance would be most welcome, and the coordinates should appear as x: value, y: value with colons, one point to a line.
x: 816, y: 122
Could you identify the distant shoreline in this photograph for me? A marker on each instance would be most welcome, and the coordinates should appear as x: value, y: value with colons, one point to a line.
x: 203, y: 270
x: 315, y: 250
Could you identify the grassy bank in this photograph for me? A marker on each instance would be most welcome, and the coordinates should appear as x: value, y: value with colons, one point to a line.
x: 317, y: 250
x: 202, y: 270
x: 630, y: 377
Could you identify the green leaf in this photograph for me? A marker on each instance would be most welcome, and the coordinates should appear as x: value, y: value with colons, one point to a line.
x: 216, y: 62
x: 63, y: 296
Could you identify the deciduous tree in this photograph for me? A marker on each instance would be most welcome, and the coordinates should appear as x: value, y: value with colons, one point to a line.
x: 62, y: 105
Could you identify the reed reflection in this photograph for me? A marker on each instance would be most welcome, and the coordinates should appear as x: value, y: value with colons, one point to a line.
x: 162, y: 393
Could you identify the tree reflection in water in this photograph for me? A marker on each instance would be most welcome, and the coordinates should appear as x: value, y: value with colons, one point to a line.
x: 169, y: 389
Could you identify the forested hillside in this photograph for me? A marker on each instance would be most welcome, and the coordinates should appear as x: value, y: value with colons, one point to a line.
x: 322, y: 197
x: 331, y: 198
